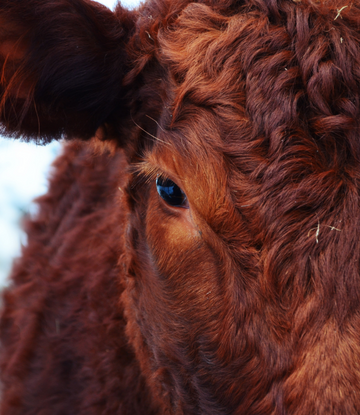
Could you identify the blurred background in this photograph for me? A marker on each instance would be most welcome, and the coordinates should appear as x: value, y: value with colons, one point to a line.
x: 24, y: 169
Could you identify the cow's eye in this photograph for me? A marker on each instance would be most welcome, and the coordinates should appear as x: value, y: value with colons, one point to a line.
x: 171, y: 193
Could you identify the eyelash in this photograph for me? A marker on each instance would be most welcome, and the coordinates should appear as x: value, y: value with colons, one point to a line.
x: 149, y: 173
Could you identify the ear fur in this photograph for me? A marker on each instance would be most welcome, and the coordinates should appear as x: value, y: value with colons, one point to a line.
x: 62, y: 63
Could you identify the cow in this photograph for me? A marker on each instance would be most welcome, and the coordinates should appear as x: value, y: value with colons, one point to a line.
x: 198, y: 249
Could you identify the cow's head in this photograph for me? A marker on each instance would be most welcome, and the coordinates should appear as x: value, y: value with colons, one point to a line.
x: 240, y: 123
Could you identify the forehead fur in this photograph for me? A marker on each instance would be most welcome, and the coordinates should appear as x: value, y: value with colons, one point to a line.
x: 300, y: 60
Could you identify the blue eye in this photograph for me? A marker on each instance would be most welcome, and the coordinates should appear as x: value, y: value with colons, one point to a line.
x: 171, y: 193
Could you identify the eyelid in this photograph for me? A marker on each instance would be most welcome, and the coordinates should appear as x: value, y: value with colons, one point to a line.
x: 151, y: 172
x: 163, y: 176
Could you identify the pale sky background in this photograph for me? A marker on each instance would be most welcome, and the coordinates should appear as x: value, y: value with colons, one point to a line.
x: 23, y: 176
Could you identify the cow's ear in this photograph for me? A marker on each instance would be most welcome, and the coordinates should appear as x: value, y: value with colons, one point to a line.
x: 62, y: 63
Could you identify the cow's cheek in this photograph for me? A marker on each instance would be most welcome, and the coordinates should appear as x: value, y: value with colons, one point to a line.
x: 184, y: 268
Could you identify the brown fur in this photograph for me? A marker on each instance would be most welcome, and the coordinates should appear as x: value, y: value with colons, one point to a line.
x: 248, y: 302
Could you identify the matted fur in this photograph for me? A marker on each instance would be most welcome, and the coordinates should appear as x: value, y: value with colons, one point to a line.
x: 248, y: 302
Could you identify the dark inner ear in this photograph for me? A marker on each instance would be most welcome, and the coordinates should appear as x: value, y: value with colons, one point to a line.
x: 62, y: 65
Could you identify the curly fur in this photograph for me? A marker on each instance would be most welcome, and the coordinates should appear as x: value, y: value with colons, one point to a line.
x: 245, y: 303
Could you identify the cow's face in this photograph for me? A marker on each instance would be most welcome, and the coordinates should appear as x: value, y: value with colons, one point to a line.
x: 228, y: 280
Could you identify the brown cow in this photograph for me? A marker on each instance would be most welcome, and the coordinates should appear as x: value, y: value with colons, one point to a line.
x: 198, y: 249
